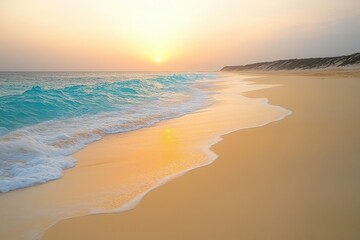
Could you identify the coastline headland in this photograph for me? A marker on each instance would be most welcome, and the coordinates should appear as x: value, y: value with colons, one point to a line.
x: 351, y: 61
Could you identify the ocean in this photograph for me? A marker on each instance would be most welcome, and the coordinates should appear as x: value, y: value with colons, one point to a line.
x: 45, y: 117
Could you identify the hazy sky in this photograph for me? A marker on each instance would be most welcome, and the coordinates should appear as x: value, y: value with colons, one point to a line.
x: 171, y: 34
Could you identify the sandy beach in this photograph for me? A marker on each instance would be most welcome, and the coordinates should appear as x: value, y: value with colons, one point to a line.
x: 297, y: 178
x: 115, y: 173
x: 180, y: 120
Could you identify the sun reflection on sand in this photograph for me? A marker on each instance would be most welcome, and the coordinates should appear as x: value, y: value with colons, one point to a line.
x: 114, y: 174
x: 171, y: 150
x: 169, y: 135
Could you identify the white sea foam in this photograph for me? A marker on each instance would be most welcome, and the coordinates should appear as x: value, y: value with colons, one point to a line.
x: 39, y: 153
x: 105, y: 198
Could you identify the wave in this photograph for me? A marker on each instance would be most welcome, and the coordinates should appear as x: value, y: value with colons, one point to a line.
x: 41, y: 127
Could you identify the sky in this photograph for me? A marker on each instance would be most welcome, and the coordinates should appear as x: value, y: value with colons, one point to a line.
x: 171, y: 35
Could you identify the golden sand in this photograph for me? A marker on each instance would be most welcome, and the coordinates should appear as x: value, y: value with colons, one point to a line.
x: 293, y: 179
x: 115, y: 173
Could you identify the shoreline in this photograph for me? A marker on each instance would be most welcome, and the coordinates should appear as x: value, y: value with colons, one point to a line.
x: 57, y: 147
x: 183, y: 194
x: 204, y: 148
x: 172, y: 148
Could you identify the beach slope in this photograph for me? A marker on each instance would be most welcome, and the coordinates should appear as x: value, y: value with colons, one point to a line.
x: 292, y: 179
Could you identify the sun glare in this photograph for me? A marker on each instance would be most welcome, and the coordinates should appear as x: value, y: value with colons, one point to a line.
x: 158, y: 59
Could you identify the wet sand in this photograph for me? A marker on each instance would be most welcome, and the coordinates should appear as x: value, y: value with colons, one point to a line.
x: 297, y: 178
x: 113, y: 174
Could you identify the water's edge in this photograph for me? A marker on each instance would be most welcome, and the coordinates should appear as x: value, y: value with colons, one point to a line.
x: 206, y: 148
x: 39, y: 153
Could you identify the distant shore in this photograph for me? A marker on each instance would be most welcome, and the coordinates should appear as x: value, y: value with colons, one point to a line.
x: 292, y: 179
x: 334, y: 63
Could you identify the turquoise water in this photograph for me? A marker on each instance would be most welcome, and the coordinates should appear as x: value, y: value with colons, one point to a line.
x: 46, y: 117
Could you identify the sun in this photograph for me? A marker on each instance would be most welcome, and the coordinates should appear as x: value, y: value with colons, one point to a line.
x: 158, y: 59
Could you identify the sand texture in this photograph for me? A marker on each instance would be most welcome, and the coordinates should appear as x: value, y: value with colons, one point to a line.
x: 296, y: 179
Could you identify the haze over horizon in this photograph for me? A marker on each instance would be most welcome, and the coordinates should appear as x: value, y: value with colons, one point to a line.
x: 178, y: 35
